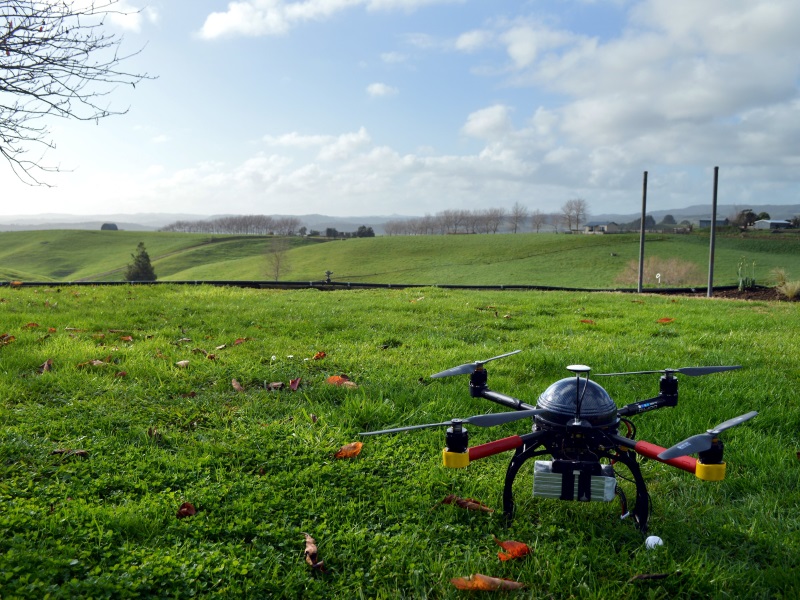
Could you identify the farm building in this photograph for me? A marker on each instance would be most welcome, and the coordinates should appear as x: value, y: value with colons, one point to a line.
x: 601, y: 227
x: 771, y: 224
x: 706, y: 223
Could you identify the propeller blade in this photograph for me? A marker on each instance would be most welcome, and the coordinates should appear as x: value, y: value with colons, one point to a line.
x: 493, y: 419
x: 733, y: 422
x: 468, y: 368
x: 409, y: 428
x: 489, y: 420
x: 703, y: 441
x: 696, y: 443
x: 690, y: 371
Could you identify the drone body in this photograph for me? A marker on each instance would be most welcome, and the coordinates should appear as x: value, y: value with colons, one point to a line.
x: 577, y: 424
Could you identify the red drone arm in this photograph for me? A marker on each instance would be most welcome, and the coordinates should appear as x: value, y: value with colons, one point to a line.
x: 496, y: 447
x: 685, y: 463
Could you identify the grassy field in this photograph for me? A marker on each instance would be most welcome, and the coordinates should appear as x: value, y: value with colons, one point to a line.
x: 104, y: 436
x: 575, y: 261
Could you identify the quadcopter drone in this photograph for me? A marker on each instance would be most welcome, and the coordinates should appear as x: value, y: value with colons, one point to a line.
x: 577, y: 424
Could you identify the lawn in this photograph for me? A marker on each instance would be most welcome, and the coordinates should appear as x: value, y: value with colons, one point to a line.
x: 105, y: 433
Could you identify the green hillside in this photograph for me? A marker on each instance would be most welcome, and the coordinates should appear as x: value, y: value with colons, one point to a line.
x: 522, y: 259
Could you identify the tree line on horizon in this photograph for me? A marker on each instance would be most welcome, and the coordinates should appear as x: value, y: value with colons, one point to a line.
x: 240, y: 225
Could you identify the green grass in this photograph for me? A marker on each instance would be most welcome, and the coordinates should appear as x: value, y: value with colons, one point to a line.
x: 574, y: 261
x: 260, y: 469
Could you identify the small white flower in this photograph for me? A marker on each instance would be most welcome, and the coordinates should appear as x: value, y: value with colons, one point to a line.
x: 274, y: 357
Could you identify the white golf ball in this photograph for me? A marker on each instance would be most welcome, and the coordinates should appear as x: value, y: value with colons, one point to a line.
x: 653, y: 541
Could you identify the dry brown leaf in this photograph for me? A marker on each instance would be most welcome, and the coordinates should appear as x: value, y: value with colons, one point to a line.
x: 312, y: 554
x: 587, y: 321
x: 349, y: 450
x: 126, y: 338
x: 237, y: 386
x: 32, y: 325
x: 187, y: 509
x: 275, y: 386
x: 466, y: 503
x: 46, y: 366
x: 319, y: 356
x: 665, y: 320
x: 121, y: 374
x: 222, y: 347
x: 485, y: 583
x: 512, y: 549
x: 200, y: 351
x: 240, y: 341
x: 182, y: 364
x: 294, y: 384
x: 6, y: 339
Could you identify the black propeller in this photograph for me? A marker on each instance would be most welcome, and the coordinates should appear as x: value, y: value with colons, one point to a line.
x: 470, y: 367
x: 703, y: 441
x: 691, y: 371
x: 489, y: 420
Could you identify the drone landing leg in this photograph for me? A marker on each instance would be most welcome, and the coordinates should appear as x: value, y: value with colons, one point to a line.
x: 641, y: 510
x: 532, y: 441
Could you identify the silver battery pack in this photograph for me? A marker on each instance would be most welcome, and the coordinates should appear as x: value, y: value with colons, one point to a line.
x: 547, y: 484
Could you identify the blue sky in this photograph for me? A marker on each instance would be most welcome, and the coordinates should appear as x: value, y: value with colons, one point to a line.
x: 408, y: 107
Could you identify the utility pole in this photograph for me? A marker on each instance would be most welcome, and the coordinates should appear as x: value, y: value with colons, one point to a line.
x: 710, y: 291
x: 641, y: 233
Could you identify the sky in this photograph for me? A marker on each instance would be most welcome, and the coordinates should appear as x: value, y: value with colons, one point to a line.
x: 412, y: 107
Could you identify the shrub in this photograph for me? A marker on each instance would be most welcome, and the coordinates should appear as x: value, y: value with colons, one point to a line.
x: 141, y: 269
x: 790, y: 289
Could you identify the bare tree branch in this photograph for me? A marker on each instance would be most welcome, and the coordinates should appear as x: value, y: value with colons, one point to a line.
x: 56, y: 59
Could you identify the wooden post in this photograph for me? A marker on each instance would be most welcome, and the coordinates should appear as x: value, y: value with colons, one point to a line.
x: 710, y: 291
x: 641, y: 233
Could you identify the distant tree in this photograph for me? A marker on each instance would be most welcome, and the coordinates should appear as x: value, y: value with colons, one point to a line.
x: 762, y: 215
x: 538, y: 220
x: 141, y: 269
x: 744, y: 218
x: 302, y: 231
x: 364, y: 231
x: 331, y: 232
x: 56, y: 61
x: 109, y: 227
x: 795, y: 221
x: 517, y: 216
x: 277, y: 258
x: 668, y: 220
x: 573, y: 212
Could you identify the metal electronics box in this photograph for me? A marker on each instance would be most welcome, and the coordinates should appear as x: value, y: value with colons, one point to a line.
x: 573, y: 481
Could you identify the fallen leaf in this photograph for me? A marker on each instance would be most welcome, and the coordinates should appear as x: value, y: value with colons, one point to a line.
x: 512, y: 549
x: 200, y: 351
x: 237, y: 386
x: 154, y: 433
x: 184, y: 339
x: 485, y: 583
x: 51, y: 330
x: 466, y: 503
x: 294, y: 384
x: 211, y: 356
x: 239, y: 341
x: 182, y: 364
x: 189, y: 395
x: 92, y: 363
x: 341, y: 380
x: 349, y: 450
x: 121, y: 374
x: 126, y: 338
x: 32, y: 325
x: 187, y: 509
x: 665, y: 320
x: 587, y: 321
x: 312, y: 554
x: 648, y: 577
x: 275, y: 386
x: 313, y: 418
x: 221, y: 347
x: 14, y: 284
x: 319, y: 356
x: 506, y: 316
x: 46, y: 366
x: 6, y: 339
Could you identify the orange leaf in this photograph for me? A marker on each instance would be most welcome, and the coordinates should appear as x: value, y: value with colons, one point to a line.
x: 319, y: 356
x: 126, y: 338
x: 587, y: 321
x: 239, y: 341
x: 512, y: 549
x: 121, y: 374
x: 349, y: 450
x: 485, y: 583
x: 337, y: 379
x: 666, y: 320
x: 187, y: 509
x: 6, y: 339
x: 237, y: 386
x: 466, y: 503
x: 32, y: 325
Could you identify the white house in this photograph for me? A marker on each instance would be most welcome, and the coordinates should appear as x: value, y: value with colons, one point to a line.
x: 771, y: 224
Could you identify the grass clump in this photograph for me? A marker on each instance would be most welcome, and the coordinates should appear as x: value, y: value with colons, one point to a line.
x: 100, y: 449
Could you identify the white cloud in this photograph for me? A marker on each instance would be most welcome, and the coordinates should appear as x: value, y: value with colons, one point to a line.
x: 378, y: 90
x: 273, y: 17
x: 394, y: 58
x: 472, y: 41
x: 489, y: 123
